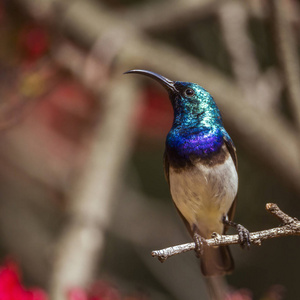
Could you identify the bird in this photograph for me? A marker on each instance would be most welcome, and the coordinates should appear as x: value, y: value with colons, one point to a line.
x: 200, y: 166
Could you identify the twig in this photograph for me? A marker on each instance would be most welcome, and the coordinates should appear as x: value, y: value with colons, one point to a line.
x: 290, y: 226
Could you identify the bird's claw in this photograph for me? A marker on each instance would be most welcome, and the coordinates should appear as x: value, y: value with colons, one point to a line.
x: 244, y: 236
x: 199, y: 244
x: 243, y: 233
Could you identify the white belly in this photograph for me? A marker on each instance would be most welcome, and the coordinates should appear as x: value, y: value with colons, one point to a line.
x: 204, y: 194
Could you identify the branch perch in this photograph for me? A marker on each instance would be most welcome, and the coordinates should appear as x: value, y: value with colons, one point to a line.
x: 290, y: 226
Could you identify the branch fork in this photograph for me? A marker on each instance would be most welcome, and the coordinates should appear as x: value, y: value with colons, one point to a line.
x: 289, y: 226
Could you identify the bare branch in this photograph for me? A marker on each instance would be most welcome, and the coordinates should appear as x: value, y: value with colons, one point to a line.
x: 291, y: 226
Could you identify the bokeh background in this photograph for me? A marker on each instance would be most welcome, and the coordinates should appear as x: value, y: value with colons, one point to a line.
x: 83, y: 199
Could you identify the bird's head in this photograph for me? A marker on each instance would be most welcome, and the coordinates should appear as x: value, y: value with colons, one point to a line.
x: 187, y: 98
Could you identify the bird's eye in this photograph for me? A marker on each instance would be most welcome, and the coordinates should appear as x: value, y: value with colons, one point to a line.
x: 189, y: 92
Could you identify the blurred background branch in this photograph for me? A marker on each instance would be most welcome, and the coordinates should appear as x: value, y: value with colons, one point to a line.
x: 263, y: 134
x: 288, y: 55
x: 91, y: 199
x: 83, y: 193
x: 260, y: 90
x: 166, y: 15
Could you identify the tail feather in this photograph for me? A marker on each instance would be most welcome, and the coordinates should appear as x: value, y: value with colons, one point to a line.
x: 216, y: 261
x: 217, y: 287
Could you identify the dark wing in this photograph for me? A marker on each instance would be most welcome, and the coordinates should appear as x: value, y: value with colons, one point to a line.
x: 232, y: 151
x: 166, y: 168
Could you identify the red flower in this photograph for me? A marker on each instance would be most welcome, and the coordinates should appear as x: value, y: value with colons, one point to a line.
x: 11, y: 287
x: 34, y: 41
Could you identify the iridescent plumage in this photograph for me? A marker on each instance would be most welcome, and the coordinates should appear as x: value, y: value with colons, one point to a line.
x: 197, y: 128
x: 201, y: 167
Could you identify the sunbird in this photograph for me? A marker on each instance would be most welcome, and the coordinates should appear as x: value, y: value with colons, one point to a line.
x: 200, y: 165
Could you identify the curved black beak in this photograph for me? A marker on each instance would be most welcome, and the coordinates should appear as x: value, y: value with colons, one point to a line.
x: 165, y: 82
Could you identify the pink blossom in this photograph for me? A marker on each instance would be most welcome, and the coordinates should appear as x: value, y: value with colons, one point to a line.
x: 11, y: 287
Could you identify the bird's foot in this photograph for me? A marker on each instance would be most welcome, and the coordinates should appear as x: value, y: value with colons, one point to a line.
x: 199, y: 243
x: 243, y: 233
x: 244, y: 236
